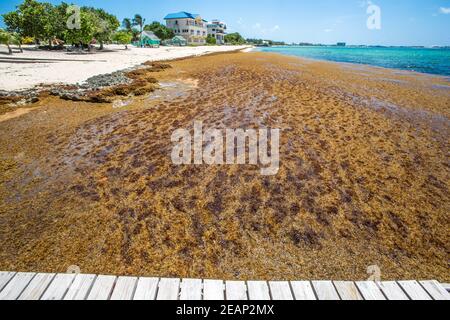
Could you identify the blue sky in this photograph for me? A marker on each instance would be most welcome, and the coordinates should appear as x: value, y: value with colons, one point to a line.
x: 403, y: 22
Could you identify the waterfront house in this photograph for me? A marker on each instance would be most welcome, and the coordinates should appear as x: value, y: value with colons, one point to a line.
x: 148, y: 39
x: 189, y: 26
x: 217, y: 29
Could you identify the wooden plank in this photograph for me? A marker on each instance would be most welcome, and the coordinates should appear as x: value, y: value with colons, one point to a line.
x: 80, y: 287
x: 325, y: 290
x: 37, y: 286
x: 303, y: 290
x: 435, y: 290
x: 369, y: 290
x: 258, y: 290
x: 124, y: 288
x: 5, y: 277
x: 347, y: 290
x: 236, y: 290
x: 168, y: 289
x: 146, y: 289
x: 213, y: 290
x: 102, y: 288
x: 280, y: 290
x: 414, y: 290
x: 191, y: 290
x: 392, y: 290
x: 58, y: 287
x: 16, y: 286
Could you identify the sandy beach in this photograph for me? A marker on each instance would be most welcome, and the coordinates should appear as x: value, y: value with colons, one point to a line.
x: 60, y: 67
x: 363, y: 177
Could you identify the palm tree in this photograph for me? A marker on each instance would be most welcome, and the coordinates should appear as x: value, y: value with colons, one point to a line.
x: 127, y: 24
x: 6, y: 38
x: 139, y: 21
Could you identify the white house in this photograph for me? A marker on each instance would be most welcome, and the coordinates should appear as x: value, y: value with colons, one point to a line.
x: 190, y: 26
x: 217, y: 29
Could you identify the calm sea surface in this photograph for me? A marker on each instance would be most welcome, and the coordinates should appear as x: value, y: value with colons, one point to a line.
x: 433, y: 61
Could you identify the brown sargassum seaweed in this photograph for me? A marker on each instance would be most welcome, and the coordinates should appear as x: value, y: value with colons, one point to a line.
x: 363, y: 178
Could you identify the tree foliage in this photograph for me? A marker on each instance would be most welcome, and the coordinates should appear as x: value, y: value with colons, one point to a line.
x: 7, y: 38
x: 43, y: 21
x: 123, y: 37
x: 234, y: 39
x: 160, y: 30
x: 107, y: 25
x: 210, y: 39
x: 138, y: 21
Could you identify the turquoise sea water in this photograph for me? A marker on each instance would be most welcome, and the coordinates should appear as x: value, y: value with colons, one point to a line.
x: 433, y: 61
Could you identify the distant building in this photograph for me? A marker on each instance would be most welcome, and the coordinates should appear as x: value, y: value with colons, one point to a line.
x: 217, y: 29
x: 189, y: 26
x: 341, y: 44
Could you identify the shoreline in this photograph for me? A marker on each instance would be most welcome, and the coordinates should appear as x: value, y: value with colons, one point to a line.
x: 81, y: 67
x: 99, y: 82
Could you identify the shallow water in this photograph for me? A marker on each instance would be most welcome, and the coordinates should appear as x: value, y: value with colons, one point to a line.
x: 433, y: 61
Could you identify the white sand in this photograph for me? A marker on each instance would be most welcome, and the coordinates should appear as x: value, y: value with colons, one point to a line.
x: 18, y: 76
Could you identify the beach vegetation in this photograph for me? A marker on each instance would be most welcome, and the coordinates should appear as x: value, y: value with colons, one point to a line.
x: 211, y: 40
x: 89, y: 28
x: 127, y: 24
x: 123, y: 37
x: 8, y: 38
x: 45, y: 22
x: 234, y: 39
x: 160, y: 30
x: 28, y: 40
x: 108, y: 24
x: 139, y: 21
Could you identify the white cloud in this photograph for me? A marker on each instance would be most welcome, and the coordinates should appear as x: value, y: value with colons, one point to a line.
x: 444, y: 10
x: 328, y: 30
x: 257, y: 26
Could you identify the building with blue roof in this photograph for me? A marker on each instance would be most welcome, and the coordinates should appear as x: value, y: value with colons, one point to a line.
x: 189, y: 26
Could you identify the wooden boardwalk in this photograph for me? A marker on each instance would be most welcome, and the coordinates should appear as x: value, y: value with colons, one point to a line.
x: 50, y: 286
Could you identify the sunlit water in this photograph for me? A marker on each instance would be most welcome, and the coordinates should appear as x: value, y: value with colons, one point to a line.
x: 432, y: 61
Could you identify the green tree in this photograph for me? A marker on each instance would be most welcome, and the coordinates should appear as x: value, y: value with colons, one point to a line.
x: 123, y: 37
x: 127, y: 24
x: 89, y: 28
x: 8, y: 38
x: 33, y: 19
x: 234, y: 39
x: 14, y: 24
x: 108, y: 24
x: 138, y: 21
x: 160, y: 30
x: 210, y: 39
x: 53, y: 23
x: 40, y: 20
